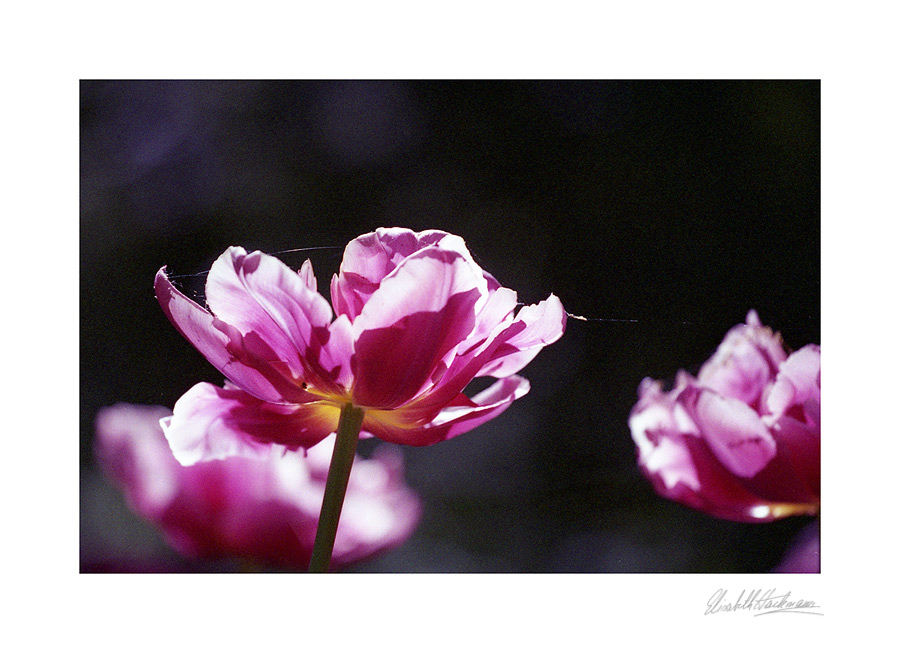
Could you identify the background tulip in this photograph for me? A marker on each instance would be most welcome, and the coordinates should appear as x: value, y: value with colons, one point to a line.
x: 261, y: 510
x: 740, y: 441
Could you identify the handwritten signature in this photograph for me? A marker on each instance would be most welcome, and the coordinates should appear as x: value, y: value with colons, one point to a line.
x: 761, y: 602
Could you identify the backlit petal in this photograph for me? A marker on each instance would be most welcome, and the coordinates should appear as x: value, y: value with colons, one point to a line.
x: 544, y: 324
x: 734, y: 432
x: 798, y: 384
x: 421, y: 312
x: 462, y: 415
x: 258, y: 294
x: 745, y: 363
x: 212, y: 423
x: 225, y: 350
x: 370, y: 258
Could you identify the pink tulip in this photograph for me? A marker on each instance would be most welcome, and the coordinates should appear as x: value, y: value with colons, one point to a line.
x: 740, y: 441
x: 262, y: 510
x: 416, y: 320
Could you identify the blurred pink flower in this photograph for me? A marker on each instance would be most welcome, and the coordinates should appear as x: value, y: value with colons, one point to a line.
x: 262, y: 510
x: 416, y: 320
x: 740, y: 441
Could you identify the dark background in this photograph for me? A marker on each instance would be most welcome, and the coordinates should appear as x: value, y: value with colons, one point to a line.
x: 678, y: 204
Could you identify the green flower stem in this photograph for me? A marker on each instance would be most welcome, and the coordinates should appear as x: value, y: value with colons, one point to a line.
x: 348, y: 429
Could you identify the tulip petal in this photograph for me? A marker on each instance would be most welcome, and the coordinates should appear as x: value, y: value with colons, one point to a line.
x: 734, y: 432
x: 488, y: 352
x: 308, y: 276
x: 800, y: 444
x: 798, y: 384
x: 212, y: 423
x: 544, y: 323
x: 668, y: 460
x: 258, y: 294
x: 745, y: 363
x: 461, y: 415
x: 655, y: 430
x: 420, y: 313
x: 337, y: 356
x: 132, y: 451
x: 791, y: 477
x: 494, y: 326
x: 679, y: 463
x: 370, y: 258
x: 723, y: 494
x: 512, y: 344
x: 683, y: 469
x: 224, y: 349
x: 497, y: 310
